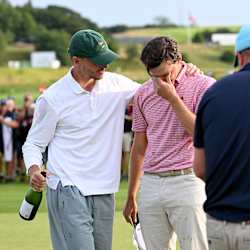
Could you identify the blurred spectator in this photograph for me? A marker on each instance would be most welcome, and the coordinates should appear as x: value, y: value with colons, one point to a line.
x: 41, y: 89
x: 25, y: 116
x: 127, y: 142
x: 8, y: 120
x: 2, y: 111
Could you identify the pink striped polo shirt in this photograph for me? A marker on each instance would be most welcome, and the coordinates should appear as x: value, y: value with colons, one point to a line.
x: 170, y: 147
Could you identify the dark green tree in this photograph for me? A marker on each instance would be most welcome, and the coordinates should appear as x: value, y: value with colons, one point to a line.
x: 53, y: 40
x: 5, y: 2
x: 198, y: 38
x: 26, y: 27
x: 132, y: 52
x: 203, y: 36
x: 227, y: 56
x: 49, y: 29
x: 61, y: 18
x: 9, y: 17
x: 116, y: 28
x: 3, y: 45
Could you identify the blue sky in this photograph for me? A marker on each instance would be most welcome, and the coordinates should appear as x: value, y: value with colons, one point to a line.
x: 140, y: 12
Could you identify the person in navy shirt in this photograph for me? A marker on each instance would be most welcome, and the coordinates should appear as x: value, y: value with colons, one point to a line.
x: 222, y: 153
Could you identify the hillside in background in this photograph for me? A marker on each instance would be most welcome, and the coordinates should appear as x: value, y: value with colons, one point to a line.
x: 25, y: 29
x: 17, y: 82
x: 179, y: 33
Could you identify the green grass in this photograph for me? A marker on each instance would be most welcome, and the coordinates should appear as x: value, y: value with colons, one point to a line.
x: 17, y: 234
x: 207, y: 58
x: 18, y: 82
x: 179, y: 33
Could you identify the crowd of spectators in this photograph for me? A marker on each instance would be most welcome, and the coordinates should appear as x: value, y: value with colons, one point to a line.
x: 15, y: 123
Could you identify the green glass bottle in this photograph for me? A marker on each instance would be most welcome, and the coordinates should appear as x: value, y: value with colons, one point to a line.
x: 31, y: 203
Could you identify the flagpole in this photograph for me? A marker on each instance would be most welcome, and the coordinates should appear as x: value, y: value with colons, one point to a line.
x: 191, y: 23
x: 189, y: 34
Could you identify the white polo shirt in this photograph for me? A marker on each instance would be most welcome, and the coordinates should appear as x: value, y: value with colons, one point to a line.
x: 84, y: 133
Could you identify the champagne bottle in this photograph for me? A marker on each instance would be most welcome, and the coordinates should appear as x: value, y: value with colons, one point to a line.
x: 31, y: 203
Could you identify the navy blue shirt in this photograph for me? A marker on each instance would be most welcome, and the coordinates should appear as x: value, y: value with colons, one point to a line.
x: 223, y: 130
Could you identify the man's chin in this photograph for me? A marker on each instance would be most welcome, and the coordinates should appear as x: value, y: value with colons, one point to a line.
x: 99, y: 76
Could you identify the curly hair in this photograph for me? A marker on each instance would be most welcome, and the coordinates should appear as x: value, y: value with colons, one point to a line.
x: 159, y: 49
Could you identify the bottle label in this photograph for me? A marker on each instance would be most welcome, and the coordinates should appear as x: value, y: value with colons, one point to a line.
x: 26, y: 209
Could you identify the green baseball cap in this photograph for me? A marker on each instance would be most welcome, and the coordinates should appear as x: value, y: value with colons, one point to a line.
x: 91, y: 44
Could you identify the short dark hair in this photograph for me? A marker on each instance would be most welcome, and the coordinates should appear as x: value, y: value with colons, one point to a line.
x: 159, y: 49
x: 246, y: 52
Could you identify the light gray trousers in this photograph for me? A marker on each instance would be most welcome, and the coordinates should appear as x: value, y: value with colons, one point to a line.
x: 172, y: 204
x: 79, y: 222
x: 224, y: 235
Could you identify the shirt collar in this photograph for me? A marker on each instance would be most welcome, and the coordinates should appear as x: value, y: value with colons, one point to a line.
x: 182, y: 75
x: 74, y: 85
x: 246, y: 67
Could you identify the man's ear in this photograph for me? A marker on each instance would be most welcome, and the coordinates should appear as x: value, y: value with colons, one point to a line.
x: 180, y: 57
x: 240, y: 59
x: 75, y: 59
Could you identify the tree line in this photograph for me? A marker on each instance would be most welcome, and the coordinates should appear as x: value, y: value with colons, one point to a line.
x: 47, y: 28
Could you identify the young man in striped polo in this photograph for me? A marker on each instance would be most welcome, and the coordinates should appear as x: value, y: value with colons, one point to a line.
x: 171, y: 196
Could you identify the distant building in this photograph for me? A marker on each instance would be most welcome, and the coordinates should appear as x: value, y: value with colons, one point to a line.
x: 227, y: 39
x: 14, y: 64
x: 44, y: 59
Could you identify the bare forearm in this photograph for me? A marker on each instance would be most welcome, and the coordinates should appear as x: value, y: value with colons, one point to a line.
x: 199, y: 170
x: 199, y: 163
x: 135, y: 173
x: 11, y: 124
x: 186, y: 117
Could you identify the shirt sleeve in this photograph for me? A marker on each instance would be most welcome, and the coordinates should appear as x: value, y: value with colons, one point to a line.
x: 201, y: 89
x: 128, y: 87
x: 40, y: 134
x: 139, y: 121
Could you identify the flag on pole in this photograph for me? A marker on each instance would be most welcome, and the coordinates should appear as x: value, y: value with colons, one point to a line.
x: 191, y: 23
x: 192, y: 20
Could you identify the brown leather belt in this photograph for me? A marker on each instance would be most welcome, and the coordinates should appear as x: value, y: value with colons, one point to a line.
x: 178, y: 172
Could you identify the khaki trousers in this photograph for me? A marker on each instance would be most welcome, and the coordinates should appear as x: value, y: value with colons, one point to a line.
x: 173, y: 204
x: 224, y: 235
